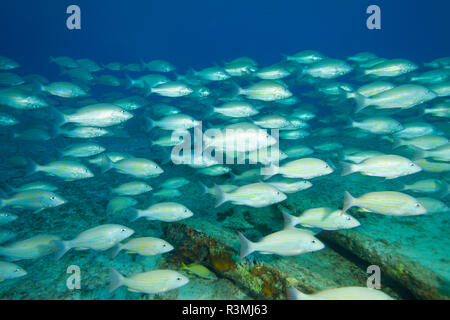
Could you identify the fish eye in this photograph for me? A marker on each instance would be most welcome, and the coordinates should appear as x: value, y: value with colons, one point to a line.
x: 17, y: 270
x: 179, y: 279
x: 314, y: 241
x: 52, y: 198
x: 412, y: 164
x: 164, y: 245
x: 348, y: 219
x: 278, y: 192
x: 122, y: 230
x: 185, y: 210
x: 417, y: 205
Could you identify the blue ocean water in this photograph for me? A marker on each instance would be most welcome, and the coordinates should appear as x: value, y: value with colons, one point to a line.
x: 198, y: 35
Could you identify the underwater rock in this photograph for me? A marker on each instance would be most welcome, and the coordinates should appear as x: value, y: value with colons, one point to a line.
x: 421, y: 276
x: 197, y: 240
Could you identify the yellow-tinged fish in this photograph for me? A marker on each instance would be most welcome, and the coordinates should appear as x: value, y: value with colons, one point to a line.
x: 163, y: 211
x: 66, y: 169
x: 255, y: 195
x: 145, y: 246
x: 306, y: 168
x: 132, y: 188
x: 136, y: 167
x: 151, y: 282
x: 10, y: 270
x: 266, y: 90
x: 389, y: 203
x: 322, y: 218
x: 118, y: 204
x: 199, y: 270
x: 344, y: 293
x: 288, y: 242
x: 388, y: 166
x: 100, y: 238
x: 97, y: 115
x: 34, y: 199
x: 32, y: 248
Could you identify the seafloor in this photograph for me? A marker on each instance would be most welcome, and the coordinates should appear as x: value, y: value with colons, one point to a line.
x: 412, y: 252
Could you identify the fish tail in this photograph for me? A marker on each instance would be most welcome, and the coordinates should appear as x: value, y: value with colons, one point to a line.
x: 418, y: 153
x: 149, y: 124
x: 237, y: 90
x: 7, y: 188
x: 289, y: 220
x: 270, y: 171
x: 133, y: 213
x: 347, y: 168
x: 61, y: 248
x: 246, y: 246
x: 3, y: 195
x: 107, y: 164
x: 349, y: 201
x: 361, y: 101
x: 116, y: 279
x: 221, y: 196
x: 183, y: 266
x: 115, y: 250
x: 210, y: 112
x: 166, y: 157
x: 397, y: 143
x: 61, y: 118
x: 445, y: 190
x: 293, y: 294
x: 128, y: 81
x: 32, y: 168
x: 203, y: 187
x: 147, y: 89
x: 143, y: 64
x: 38, y: 87
x: 55, y: 130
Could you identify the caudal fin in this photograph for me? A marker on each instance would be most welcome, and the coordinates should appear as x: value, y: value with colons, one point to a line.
x: 270, y: 171
x: 294, y: 294
x: 398, y: 143
x: 347, y: 168
x: 221, y: 196
x: 349, y: 201
x: 133, y: 214
x: 149, y: 124
x: 60, y: 118
x: 203, y: 187
x: 246, y: 246
x: 107, y: 164
x: 361, y: 101
x: 128, y: 81
x: 289, y: 220
x: 418, y: 153
x: 115, y: 250
x: 61, y: 248
x: 32, y: 168
x: 445, y: 190
x: 116, y: 279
